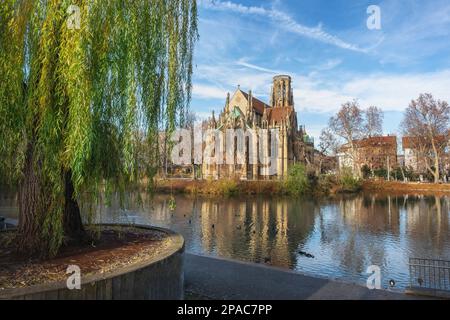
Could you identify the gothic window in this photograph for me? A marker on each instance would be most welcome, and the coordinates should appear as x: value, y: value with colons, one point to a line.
x: 280, y: 94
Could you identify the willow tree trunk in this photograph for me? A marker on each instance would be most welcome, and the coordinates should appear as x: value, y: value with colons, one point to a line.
x: 33, y: 208
x: 73, y: 225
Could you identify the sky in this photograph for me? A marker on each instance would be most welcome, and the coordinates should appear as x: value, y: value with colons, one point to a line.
x: 329, y: 51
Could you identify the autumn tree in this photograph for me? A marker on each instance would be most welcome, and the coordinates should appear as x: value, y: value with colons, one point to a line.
x: 79, y: 80
x: 348, y: 125
x: 426, y: 123
x: 351, y: 124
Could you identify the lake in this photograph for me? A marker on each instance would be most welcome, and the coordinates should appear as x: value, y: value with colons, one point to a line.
x: 334, y: 238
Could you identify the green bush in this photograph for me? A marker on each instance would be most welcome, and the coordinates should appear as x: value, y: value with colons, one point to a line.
x: 227, y: 187
x: 410, y: 174
x: 348, y: 182
x: 326, y: 183
x: 366, y: 172
x: 298, y: 180
x: 380, y: 173
x: 396, y: 174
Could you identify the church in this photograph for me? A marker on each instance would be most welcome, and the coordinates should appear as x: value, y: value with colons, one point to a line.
x: 244, y: 111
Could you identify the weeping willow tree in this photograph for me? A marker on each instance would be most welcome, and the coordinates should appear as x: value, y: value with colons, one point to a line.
x: 83, y: 83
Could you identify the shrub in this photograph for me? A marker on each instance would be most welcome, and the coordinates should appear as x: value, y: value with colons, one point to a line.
x: 228, y: 187
x: 380, y: 173
x: 348, y: 182
x: 410, y: 174
x: 397, y: 174
x: 298, y: 180
x: 326, y: 183
x: 192, y: 188
x: 366, y: 172
x: 225, y: 187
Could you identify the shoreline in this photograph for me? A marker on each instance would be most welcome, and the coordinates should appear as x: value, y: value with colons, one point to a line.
x: 231, y: 188
x: 405, y: 188
x: 235, y: 187
x: 218, y: 187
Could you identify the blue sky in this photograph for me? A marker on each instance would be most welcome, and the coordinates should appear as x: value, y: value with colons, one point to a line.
x: 326, y: 47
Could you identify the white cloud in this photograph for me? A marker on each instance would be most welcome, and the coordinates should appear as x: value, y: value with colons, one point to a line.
x: 227, y: 76
x: 323, y: 94
x: 284, y: 21
x: 310, y: 97
x: 389, y: 92
x: 202, y: 91
x: 394, y: 92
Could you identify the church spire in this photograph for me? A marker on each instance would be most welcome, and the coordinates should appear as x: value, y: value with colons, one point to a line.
x: 282, y: 92
x: 250, y: 103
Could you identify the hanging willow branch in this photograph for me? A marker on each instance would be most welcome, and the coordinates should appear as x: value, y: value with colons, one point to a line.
x: 84, y: 100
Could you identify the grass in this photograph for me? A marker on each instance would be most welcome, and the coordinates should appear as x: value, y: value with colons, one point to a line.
x: 221, y: 187
x: 299, y: 182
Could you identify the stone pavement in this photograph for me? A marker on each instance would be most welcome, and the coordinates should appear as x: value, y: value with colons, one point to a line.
x: 219, y: 278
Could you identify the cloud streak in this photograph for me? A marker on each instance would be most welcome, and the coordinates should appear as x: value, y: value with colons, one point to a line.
x: 245, y: 64
x: 284, y: 20
x: 391, y: 92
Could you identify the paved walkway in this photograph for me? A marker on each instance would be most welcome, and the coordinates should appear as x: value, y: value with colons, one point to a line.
x: 219, y: 278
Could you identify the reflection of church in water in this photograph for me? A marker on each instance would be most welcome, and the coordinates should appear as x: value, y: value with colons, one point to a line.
x: 244, y: 111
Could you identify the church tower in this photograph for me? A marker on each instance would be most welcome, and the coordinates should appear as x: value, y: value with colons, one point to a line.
x: 282, y: 95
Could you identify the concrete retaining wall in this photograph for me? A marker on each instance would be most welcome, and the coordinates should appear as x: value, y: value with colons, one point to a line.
x: 159, y: 278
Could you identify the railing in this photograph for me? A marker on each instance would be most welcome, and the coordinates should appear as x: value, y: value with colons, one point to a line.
x: 429, y: 274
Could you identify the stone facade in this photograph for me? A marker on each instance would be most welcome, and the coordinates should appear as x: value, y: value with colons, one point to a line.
x: 244, y: 111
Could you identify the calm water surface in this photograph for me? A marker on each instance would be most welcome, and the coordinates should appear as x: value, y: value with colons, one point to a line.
x: 344, y: 235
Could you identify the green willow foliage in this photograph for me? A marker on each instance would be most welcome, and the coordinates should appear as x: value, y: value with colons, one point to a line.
x: 87, y: 99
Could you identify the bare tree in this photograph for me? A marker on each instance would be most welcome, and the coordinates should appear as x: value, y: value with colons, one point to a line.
x: 426, y: 122
x: 328, y: 145
x: 190, y: 119
x: 348, y: 124
x: 374, y: 121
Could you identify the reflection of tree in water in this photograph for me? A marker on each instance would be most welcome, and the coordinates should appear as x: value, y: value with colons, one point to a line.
x: 373, y: 225
x: 354, y: 231
x: 302, y: 218
x: 427, y: 221
x: 362, y: 220
x: 257, y: 229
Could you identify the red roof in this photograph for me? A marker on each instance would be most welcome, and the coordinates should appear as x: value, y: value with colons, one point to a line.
x: 385, y: 141
x: 279, y: 113
x: 273, y: 113
x: 258, y: 105
x: 374, y: 141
